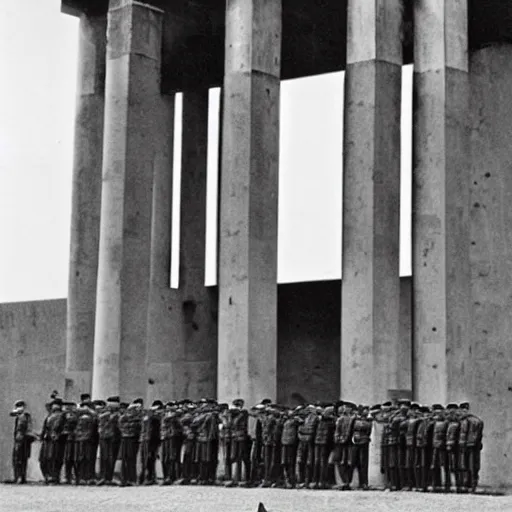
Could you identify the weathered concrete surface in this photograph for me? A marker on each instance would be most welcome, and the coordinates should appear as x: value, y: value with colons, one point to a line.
x: 135, y: 145
x: 182, y: 350
x: 200, y: 499
x: 371, y: 201
x: 85, y: 205
x: 32, y: 365
x: 440, y: 201
x: 490, y: 352
x: 404, y: 369
x: 247, y: 355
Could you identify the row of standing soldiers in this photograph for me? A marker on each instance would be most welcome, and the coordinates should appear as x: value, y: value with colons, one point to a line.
x: 267, y: 445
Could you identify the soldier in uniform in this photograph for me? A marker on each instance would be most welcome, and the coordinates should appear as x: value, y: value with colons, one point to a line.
x: 382, y: 415
x: 189, y: 443
x: 411, y: 428
x: 109, y: 439
x: 23, y: 439
x: 56, y: 441
x: 361, y: 437
x: 423, y: 448
x: 85, y: 448
x: 68, y: 431
x: 149, y: 442
x: 225, y: 436
x: 289, y: 441
x: 473, y: 446
x: 130, y: 428
x: 343, y: 440
x: 268, y: 426
x: 99, y: 407
x: 240, y: 445
x: 171, y: 437
x: 439, y: 462
x: 452, y: 445
x: 207, y: 422
x: 257, y: 441
x: 396, y: 445
x: 45, y: 443
x: 324, y: 441
x: 305, y: 451
x: 276, y: 471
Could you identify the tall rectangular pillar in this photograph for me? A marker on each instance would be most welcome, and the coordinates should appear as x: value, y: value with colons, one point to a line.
x: 248, y: 203
x: 370, y: 302
x: 182, y: 349
x: 441, y: 276
x: 136, y: 144
x: 85, y: 205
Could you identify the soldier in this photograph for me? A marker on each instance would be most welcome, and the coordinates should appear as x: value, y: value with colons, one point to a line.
x: 411, y: 429
x: 189, y: 443
x: 149, y: 442
x: 439, y: 457
x: 289, y: 441
x: 130, y: 428
x: 396, y: 445
x: 324, y: 441
x: 452, y: 446
x: 240, y: 445
x: 45, y: 443
x: 343, y: 442
x: 56, y: 441
x: 382, y: 415
x: 276, y: 471
x: 171, y: 437
x: 400, y: 425
x: 225, y: 436
x: 305, y: 451
x: 109, y: 439
x: 423, y: 449
x: 68, y: 431
x: 23, y: 438
x: 207, y: 422
x: 257, y: 441
x: 473, y: 446
x: 268, y: 419
x: 361, y: 437
x: 85, y: 449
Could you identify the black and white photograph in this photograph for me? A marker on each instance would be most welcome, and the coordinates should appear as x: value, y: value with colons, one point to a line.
x: 256, y: 255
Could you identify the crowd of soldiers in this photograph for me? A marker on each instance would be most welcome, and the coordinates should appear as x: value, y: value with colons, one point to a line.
x: 313, y: 446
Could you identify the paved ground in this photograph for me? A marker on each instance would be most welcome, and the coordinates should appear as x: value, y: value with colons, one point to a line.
x: 38, y: 498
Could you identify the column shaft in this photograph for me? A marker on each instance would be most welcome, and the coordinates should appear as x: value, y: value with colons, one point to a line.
x: 182, y: 357
x: 85, y: 205
x: 248, y: 210
x: 136, y: 145
x: 371, y: 201
x: 440, y: 198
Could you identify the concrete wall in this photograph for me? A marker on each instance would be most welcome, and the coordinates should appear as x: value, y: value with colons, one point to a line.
x: 32, y: 361
x: 490, y: 387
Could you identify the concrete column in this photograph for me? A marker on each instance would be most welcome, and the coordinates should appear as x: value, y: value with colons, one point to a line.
x: 85, y: 205
x: 136, y: 145
x: 248, y: 210
x: 182, y: 357
x: 370, y: 301
x: 440, y: 199
x: 489, y: 355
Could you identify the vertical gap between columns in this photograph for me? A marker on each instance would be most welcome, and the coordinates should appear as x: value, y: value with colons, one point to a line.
x: 212, y: 187
x: 176, y: 192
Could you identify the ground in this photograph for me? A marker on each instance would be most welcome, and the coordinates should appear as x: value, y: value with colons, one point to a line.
x: 38, y: 498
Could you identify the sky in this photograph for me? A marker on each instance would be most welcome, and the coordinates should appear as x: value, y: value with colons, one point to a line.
x: 39, y: 49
